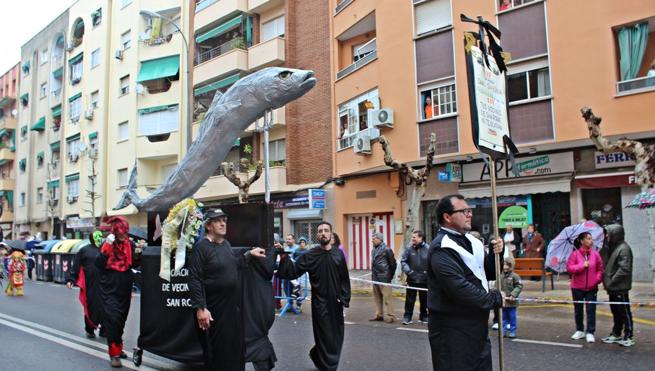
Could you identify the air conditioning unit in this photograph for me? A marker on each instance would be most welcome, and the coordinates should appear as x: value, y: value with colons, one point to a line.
x: 362, y: 144
x: 382, y: 117
x: 70, y: 47
x: 93, y: 152
x: 70, y: 199
x: 119, y: 54
x: 88, y: 114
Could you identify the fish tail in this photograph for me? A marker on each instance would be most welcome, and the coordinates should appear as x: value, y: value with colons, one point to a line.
x: 130, y: 196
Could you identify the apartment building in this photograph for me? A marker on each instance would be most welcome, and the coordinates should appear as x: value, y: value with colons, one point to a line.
x: 237, y: 37
x: 398, y: 69
x: 8, y: 122
x: 37, y: 209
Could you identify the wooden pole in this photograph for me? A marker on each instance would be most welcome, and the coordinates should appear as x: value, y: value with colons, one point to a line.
x: 494, y: 210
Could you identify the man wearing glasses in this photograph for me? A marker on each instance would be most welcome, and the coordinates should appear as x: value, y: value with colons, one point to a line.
x: 459, y: 297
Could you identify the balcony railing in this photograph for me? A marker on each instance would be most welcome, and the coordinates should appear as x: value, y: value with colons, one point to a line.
x: 342, y: 5
x: 238, y: 42
x: 636, y: 85
x: 357, y: 65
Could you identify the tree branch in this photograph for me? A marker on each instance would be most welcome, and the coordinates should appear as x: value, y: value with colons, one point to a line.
x: 418, y: 176
x: 243, y: 186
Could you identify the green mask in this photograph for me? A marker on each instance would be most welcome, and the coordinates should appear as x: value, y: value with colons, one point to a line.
x: 97, y: 238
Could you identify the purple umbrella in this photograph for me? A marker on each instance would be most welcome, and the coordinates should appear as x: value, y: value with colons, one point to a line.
x: 561, y: 247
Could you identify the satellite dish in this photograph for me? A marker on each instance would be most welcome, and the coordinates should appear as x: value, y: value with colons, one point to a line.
x: 140, y: 89
x: 14, y: 112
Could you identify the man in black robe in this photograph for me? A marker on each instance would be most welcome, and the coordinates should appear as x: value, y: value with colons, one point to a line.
x: 328, y: 275
x: 215, y: 290
x: 85, y: 275
x: 459, y: 298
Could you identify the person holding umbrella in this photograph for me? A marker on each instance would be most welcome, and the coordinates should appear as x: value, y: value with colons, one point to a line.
x: 586, y: 269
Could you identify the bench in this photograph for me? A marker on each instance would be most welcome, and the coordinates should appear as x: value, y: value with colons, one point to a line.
x: 533, y: 267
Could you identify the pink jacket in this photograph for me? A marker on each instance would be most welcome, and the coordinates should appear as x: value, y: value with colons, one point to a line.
x: 582, y: 278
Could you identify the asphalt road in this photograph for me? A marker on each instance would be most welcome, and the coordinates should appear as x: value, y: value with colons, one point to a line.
x: 43, y: 331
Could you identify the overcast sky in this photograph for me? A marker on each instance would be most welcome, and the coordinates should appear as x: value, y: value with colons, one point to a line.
x: 20, y: 20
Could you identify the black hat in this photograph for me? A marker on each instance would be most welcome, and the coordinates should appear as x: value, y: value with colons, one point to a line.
x: 214, y: 213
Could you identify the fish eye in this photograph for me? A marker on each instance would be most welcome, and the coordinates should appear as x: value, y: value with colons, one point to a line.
x: 284, y: 75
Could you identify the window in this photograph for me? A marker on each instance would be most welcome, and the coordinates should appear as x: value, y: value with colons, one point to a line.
x: 53, y: 192
x: 126, y: 39
x: 39, y: 195
x: 23, y: 132
x: 43, y: 56
x: 277, y: 151
x: 272, y: 29
x: 432, y: 15
x: 96, y: 17
x: 40, y: 157
x: 509, y: 4
x: 125, y: 3
x: 124, y: 85
x: 164, y: 120
x: 74, y: 147
x: 123, y: 131
x: 354, y: 117
x: 95, y: 58
x: 43, y: 92
x: 94, y: 99
x: 73, y: 188
x: 76, y: 71
x: 528, y: 85
x: 634, y: 60
x: 438, y: 101
x: 362, y: 50
x: 75, y: 106
x: 122, y: 178
x: 21, y: 202
x: 22, y: 165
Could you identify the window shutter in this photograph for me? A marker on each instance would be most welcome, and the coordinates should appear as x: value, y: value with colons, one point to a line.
x: 432, y: 16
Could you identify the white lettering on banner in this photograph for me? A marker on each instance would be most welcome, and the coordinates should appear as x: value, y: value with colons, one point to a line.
x: 554, y: 163
x: 177, y: 302
x: 614, y: 159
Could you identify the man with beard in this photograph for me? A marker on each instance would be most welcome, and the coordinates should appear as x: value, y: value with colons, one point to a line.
x: 215, y: 279
x: 328, y: 275
x: 85, y: 275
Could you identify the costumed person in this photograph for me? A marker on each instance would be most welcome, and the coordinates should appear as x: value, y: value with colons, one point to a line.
x: 16, y: 267
x: 330, y: 282
x: 215, y: 291
x: 85, y: 275
x: 115, y: 261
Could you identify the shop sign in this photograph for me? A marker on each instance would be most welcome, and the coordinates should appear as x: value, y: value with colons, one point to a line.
x: 452, y: 173
x: 317, y: 198
x: 546, y: 164
x: 290, y: 202
x: 515, y: 216
x: 611, y: 160
x: 78, y: 223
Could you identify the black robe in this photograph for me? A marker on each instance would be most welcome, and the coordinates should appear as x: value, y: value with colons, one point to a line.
x: 328, y: 275
x: 215, y: 284
x: 86, y: 276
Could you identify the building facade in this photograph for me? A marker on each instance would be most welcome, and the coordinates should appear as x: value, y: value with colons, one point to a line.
x: 407, y: 59
x: 9, y: 82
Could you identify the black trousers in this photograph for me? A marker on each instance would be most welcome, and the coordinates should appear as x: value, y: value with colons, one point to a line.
x: 410, y: 300
x: 622, y: 315
x: 459, y: 343
x: 580, y: 308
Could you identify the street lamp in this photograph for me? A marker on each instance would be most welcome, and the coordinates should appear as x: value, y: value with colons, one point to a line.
x: 147, y: 13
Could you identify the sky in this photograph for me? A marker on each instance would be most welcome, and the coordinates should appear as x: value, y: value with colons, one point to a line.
x: 20, y: 20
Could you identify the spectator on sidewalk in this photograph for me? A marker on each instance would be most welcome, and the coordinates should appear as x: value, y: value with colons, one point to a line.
x: 511, y: 285
x: 383, y: 268
x: 414, y: 263
x: 336, y: 241
x: 533, y: 243
x: 512, y: 239
x: 586, y: 269
x: 617, y: 279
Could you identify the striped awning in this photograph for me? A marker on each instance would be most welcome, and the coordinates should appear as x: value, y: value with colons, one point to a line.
x: 221, y: 29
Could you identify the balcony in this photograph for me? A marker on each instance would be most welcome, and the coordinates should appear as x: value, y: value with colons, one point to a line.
x: 220, y: 187
x: 7, y: 184
x: 234, y: 60
x: 208, y: 11
x: 8, y: 122
x: 342, y: 5
x: 260, y: 6
x: 266, y: 54
x: 207, y: 55
x: 279, y: 118
x: 638, y: 85
x: 145, y: 149
x: 6, y: 154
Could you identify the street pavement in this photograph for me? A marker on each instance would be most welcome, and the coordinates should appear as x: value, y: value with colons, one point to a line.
x: 43, y: 331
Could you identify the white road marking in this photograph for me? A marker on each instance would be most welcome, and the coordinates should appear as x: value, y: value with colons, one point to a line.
x: 547, y: 343
x: 34, y: 328
x: 412, y: 329
x: 349, y: 323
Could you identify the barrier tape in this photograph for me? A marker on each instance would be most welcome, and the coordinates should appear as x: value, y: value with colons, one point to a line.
x: 524, y: 300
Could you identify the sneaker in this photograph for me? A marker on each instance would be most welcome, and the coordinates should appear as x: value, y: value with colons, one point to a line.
x: 407, y: 321
x: 90, y: 335
x: 376, y: 319
x: 495, y: 326
x: 627, y: 342
x: 611, y: 339
x: 512, y: 335
x: 507, y: 327
x: 423, y: 320
x: 590, y: 338
x: 577, y: 335
x: 115, y: 362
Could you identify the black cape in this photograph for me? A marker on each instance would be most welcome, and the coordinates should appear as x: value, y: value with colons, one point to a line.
x: 86, y: 275
x: 330, y: 282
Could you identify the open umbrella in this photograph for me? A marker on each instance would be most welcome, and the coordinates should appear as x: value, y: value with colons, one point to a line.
x: 561, y: 247
x: 17, y: 244
x: 643, y: 200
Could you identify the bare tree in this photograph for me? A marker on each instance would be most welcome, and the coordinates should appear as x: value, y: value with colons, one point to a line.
x: 244, y: 185
x: 91, y: 194
x: 644, y: 156
x: 408, y: 176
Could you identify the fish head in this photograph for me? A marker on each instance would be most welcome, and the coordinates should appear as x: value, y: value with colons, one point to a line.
x: 274, y: 87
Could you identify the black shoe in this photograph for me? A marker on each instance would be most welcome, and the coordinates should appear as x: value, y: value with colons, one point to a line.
x: 423, y: 320
x: 407, y: 321
x: 123, y: 355
x: 376, y: 319
x: 90, y: 335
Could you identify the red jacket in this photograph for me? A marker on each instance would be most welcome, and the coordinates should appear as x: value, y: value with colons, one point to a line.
x: 582, y: 278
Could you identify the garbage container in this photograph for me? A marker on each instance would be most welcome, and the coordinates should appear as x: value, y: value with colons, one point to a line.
x: 62, y: 260
x: 44, y: 260
x: 68, y: 259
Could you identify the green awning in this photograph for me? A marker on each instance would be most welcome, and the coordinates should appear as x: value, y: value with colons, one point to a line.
x: 53, y: 184
x: 25, y: 98
x: 3, y: 132
x: 3, y: 161
x: 96, y: 13
x: 55, y: 146
x: 76, y: 58
x: 39, y: 125
x: 73, y: 137
x: 74, y: 97
x: 40, y: 155
x: 234, y: 22
x: 217, y: 85
x: 26, y: 66
x: 56, y: 111
x: 93, y: 135
x: 5, y: 101
x: 144, y: 111
x: 58, y: 72
x: 70, y: 178
x: 159, y: 68
x: 237, y: 143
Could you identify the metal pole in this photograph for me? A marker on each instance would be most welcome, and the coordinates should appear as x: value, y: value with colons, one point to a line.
x: 494, y: 210
x: 268, y: 118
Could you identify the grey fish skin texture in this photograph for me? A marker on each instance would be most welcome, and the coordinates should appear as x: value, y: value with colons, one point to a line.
x: 228, y: 116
